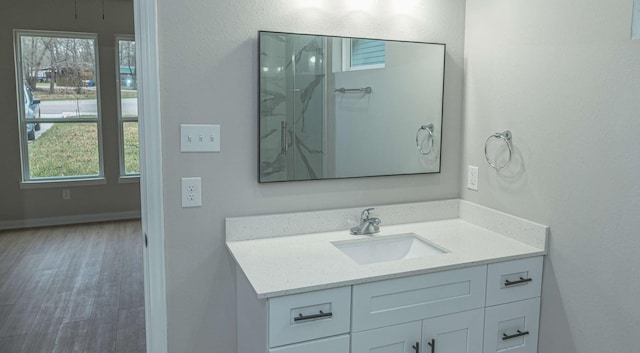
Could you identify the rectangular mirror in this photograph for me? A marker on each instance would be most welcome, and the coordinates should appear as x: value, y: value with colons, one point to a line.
x: 334, y: 107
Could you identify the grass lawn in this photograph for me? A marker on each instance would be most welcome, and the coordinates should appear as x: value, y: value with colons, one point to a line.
x: 71, y: 149
x: 131, y: 148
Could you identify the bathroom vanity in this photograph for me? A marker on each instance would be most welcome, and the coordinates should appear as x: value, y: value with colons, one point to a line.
x: 440, y: 277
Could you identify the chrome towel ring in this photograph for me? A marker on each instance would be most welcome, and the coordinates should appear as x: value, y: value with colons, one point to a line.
x: 503, y: 136
x: 429, y: 129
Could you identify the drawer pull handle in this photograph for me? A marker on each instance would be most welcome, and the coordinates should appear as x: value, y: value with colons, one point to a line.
x: 416, y: 347
x: 519, y: 334
x: 520, y: 281
x: 432, y: 344
x: 300, y: 317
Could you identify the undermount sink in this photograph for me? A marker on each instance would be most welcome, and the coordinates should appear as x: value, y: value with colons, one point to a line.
x: 387, y: 248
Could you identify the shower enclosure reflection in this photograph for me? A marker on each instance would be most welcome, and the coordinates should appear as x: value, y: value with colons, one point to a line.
x: 333, y: 107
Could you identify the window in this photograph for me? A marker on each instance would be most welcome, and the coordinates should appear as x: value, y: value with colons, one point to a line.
x: 367, y: 52
x: 58, y: 105
x: 128, y: 106
x: 362, y: 54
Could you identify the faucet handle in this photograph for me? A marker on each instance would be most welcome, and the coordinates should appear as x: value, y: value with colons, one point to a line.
x: 365, y: 214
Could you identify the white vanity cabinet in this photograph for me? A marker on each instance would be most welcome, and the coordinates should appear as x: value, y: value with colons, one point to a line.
x: 393, y: 339
x: 301, y: 292
x: 311, y: 322
x: 448, y: 307
x: 399, y: 300
x: 512, y: 327
x: 338, y: 344
x: 513, y: 306
x: 307, y: 316
x: 454, y: 333
x: 478, y: 309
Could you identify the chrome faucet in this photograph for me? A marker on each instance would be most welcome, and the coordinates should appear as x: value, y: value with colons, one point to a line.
x: 368, y: 225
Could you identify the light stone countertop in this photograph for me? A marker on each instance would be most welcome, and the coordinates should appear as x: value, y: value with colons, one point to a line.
x: 282, y: 265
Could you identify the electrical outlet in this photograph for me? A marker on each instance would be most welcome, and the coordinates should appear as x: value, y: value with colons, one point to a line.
x: 472, y: 178
x: 66, y: 194
x: 191, y: 192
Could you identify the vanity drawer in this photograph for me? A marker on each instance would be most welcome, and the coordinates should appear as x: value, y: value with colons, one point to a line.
x: 512, y: 327
x: 515, y: 280
x: 395, y: 301
x: 307, y: 316
x: 338, y: 344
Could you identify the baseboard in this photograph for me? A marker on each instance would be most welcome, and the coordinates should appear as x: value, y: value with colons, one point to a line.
x: 75, y: 219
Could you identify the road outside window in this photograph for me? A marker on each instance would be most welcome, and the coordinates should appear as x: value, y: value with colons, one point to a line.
x: 58, y: 105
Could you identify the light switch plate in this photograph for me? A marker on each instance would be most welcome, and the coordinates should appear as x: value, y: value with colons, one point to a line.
x: 199, y: 138
x: 472, y: 178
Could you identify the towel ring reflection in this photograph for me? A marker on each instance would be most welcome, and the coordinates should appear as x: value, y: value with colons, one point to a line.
x: 503, y: 136
x: 429, y: 129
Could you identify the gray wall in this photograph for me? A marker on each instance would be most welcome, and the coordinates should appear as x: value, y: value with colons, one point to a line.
x: 208, y: 72
x: 564, y: 77
x: 18, y: 205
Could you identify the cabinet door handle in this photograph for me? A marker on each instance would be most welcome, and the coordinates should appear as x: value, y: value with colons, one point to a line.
x: 416, y: 347
x: 301, y: 317
x: 432, y: 344
x: 520, y: 281
x: 515, y: 335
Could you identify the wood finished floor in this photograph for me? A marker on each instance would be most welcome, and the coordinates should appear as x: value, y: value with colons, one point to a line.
x: 73, y: 289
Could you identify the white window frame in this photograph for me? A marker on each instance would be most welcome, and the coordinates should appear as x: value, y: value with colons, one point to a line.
x: 346, y: 58
x: 27, y: 181
x: 124, y: 176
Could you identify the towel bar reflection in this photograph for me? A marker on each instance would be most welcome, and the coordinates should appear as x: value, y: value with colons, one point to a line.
x: 366, y: 90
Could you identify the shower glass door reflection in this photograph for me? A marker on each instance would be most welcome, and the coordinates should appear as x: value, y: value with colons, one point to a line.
x: 292, y: 89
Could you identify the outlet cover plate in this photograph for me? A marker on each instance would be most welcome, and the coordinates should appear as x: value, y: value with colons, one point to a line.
x: 191, y: 192
x: 472, y: 178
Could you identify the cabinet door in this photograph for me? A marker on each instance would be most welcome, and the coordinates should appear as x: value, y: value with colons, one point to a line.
x: 512, y: 327
x: 402, y: 338
x: 455, y: 333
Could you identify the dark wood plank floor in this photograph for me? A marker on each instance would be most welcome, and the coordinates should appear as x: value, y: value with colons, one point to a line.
x: 73, y: 289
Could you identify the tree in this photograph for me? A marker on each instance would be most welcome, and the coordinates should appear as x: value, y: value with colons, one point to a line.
x: 127, y: 56
x: 33, y: 54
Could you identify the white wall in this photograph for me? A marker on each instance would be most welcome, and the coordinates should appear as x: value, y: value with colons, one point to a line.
x: 636, y: 19
x: 208, y: 58
x: 564, y: 77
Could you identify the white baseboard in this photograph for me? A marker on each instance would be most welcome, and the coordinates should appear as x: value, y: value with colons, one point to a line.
x: 75, y: 219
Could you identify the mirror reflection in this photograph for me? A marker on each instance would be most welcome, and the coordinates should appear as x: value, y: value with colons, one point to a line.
x: 334, y: 107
